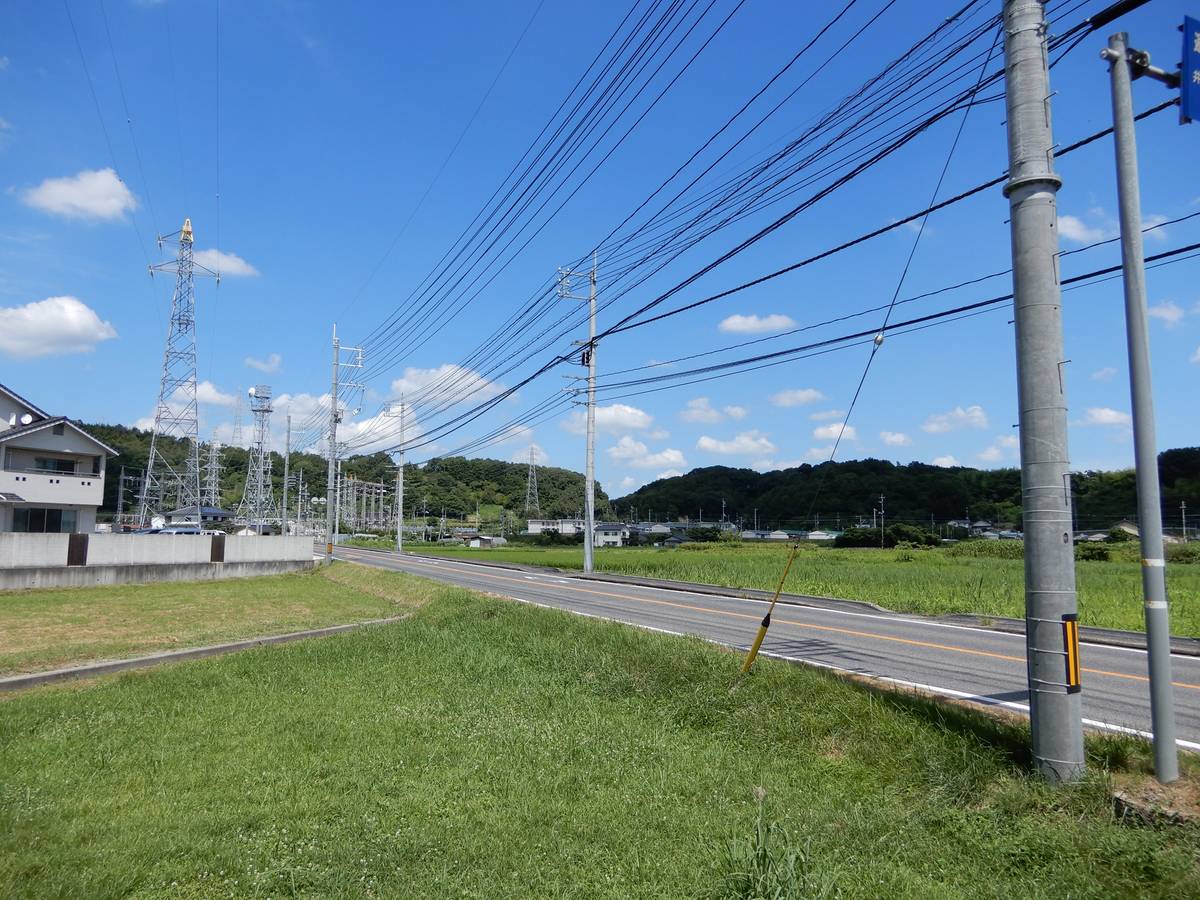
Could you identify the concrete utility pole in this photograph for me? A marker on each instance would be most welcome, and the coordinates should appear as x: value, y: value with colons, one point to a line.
x: 881, y: 521
x: 287, y: 459
x: 331, y: 487
x: 1145, y: 453
x: 589, y: 360
x: 400, y: 486
x: 1183, y: 518
x: 1051, y: 618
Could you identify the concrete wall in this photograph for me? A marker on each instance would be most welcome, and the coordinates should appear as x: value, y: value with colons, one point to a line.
x: 28, y: 550
x: 248, y: 548
x: 89, y: 576
x: 18, y: 550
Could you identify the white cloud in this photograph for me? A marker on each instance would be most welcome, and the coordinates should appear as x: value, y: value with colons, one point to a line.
x: 668, y: 473
x: 1075, y: 229
x: 735, y: 412
x: 895, y: 438
x: 1008, y: 441
x: 748, y: 443
x: 971, y: 417
x: 991, y: 454
x: 540, y: 456
x: 628, y: 484
x: 774, y: 465
x: 797, y: 397
x: 613, y: 419
x: 1169, y: 312
x: 634, y: 453
x: 738, y: 324
x: 225, y: 263
x: 447, y: 380
x: 270, y: 364
x: 659, y: 434
x: 819, y: 454
x: 1103, y: 415
x: 831, y: 431
x: 1105, y: 374
x: 51, y: 326
x: 1195, y: 357
x: 1156, y: 234
x: 826, y: 414
x: 91, y: 194
x: 207, y: 392
x: 700, y: 410
x: 946, y: 462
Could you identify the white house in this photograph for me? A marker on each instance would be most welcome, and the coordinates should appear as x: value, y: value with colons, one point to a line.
x: 51, y: 470
x: 560, y: 526
x: 611, y: 534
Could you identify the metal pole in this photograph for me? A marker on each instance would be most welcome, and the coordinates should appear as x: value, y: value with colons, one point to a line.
x: 590, y: 475
x: 1051, y: 625
x: 331, y: 486
x: 400, y: 486
x: 1154, y: 583
x: 287, y: 459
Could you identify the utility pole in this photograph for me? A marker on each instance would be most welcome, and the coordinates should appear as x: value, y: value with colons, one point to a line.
x: 1051, y: 616
x: 1183, y: 518
x: 881, y: 521
x: 589, y: 360
x: 332, y: 492
x: 1124, y: 63
x: 121, y: 503
x: 287, y: 459
x: 331, y: 487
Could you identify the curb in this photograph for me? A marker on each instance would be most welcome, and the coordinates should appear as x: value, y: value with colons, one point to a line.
x: 19, y: 682
x: 1090, y: 634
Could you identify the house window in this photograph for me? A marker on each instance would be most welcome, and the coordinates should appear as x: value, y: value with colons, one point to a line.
x: 51, y: 464
x: 45, y: 521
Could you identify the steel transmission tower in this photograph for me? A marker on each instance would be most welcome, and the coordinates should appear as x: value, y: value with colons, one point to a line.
x: 212, y: 474
x: 531, y: 488
x: 173, y: 472
x: 236, y: 438
x: 258, y: 503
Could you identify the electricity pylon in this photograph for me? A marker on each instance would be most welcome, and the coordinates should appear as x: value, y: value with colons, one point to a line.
x: 258, y: 503
x: 173, y: 472
x: 212, y: 474
x: 531, y: 488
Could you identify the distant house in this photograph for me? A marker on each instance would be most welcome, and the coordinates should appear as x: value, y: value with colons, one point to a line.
x: 675, y: 541
x: 980, y: 527
x: 778, y: 536
x: 755, y: 535
x: 486, y: 542
x: 611, y: 534
x: 822, y: 535
x: 51, y: 470
x: 210, y: 514
x: 556, y: 526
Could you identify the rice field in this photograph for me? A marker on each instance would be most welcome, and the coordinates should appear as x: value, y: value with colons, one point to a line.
x: 928, y: 582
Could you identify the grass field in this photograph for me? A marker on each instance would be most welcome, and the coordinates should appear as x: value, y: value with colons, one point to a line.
x: 44, y: 629
x: 931, y: 582
x: 481, y: 748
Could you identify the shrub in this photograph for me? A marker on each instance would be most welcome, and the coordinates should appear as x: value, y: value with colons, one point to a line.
x: 1184, y: 554
x: 1118, y: 536
x: 988, y: 549
x: 1090, y: 552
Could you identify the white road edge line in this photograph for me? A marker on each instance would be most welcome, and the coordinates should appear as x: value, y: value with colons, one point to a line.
x: 839, y: 612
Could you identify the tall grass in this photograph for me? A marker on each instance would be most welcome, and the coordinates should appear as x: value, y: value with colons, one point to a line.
x: 487, y: 749
x: 930, y: 582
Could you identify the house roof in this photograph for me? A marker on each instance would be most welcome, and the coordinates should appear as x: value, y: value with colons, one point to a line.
x: 9, y: 392
x: 22, y: 430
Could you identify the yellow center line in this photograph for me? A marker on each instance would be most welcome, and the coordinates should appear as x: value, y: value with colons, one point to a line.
x: 830, y: 628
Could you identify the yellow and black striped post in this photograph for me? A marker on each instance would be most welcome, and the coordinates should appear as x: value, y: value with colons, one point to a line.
x: 1070, y: 624
x: 766, y: 622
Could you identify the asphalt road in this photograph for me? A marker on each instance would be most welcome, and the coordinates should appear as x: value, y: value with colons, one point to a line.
x: 974, y: 664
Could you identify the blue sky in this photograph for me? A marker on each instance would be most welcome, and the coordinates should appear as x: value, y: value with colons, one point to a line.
x: 331, y: 123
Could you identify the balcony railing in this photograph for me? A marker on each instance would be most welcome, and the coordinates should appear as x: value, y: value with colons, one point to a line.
x: 52, y: 473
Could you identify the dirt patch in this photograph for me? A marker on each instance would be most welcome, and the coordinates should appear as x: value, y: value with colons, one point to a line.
x: 1143, y: 801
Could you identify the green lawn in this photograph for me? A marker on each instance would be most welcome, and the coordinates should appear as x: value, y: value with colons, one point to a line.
x: 45, y: 629
x: 485, y: 749
x: 931, y: 582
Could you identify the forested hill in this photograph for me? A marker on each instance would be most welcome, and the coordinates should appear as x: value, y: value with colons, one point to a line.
x: 453, y: 482
x: 912, y: 492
